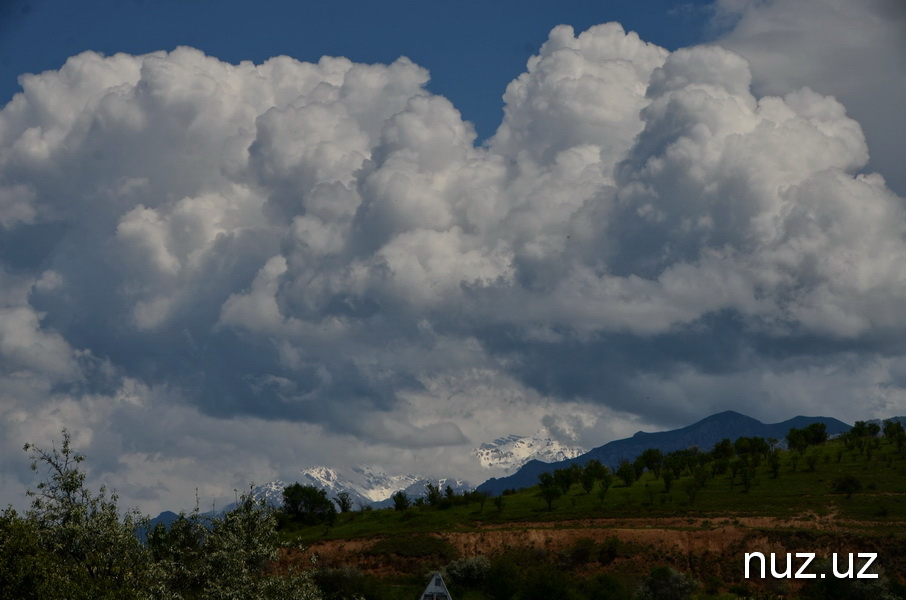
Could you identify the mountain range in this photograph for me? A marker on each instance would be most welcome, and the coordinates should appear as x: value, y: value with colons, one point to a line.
x: 520, y: 459
x: 703, y: 434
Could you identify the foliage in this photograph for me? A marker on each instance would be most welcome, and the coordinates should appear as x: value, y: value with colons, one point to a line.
x: 344, y: 503
x: 342, y: 583
x: 308, y: 504
x: 471, y: 571
x: 549, y: 489
x: 848, y: 484
x: 401, y: 501
x: 665, y: 583
x: 89, y: 551
x: 828, y: 587
x: 25, y: 565
x: 74, y: 544
x: 626, y: 472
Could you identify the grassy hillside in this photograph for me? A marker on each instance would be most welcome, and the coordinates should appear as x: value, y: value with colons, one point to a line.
x: 702, y: 527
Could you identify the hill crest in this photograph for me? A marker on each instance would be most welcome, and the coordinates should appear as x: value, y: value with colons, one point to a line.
x: 702, y: 434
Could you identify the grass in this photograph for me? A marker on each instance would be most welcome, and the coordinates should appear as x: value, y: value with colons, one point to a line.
x: 806, y: 510
x: 798, y: 491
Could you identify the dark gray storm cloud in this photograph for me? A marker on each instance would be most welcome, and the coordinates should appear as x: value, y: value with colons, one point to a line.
x: 219, y: 273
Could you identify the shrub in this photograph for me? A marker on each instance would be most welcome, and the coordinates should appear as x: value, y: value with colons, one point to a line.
x: 666, y: 584
x: 471, y: 571
x: 847, y: 484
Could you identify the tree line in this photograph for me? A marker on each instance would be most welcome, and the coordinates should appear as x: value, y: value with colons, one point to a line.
x: 738, y: 459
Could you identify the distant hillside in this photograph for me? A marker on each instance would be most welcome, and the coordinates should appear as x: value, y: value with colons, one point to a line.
x: 703, y: 434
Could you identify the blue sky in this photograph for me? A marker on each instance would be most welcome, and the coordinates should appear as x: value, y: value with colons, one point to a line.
x: 473, y: 49
x: 224, y: 258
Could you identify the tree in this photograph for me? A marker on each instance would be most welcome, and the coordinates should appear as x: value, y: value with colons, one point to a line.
x: 667, y: 475
x: 224, y: 557
x: 774, y: 460
x: 308, y: 504
x: 549, y: 489
x: 606, y: 482
x: 76, y: 545
x: 653, y: 459
x: 892, y: 429
x: 26, y: 567
x: 797, y: 440
x: 723, y: 449
x: 588, y: 480
x: 564, y: 479
x: 92, y: 551
x: 400, y: 501
x: 344, y: 502
x: 895, y: 434
x: 676, y: 462
x: 626, y: 472
x: 481, y: 498
x: 432, y: 494
x: 816, y: 433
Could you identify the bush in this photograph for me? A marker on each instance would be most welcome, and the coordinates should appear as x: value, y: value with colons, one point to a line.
x: 342, y: 583
x: 666, y: 584
x: 471, y: 571
x: 847, y: 484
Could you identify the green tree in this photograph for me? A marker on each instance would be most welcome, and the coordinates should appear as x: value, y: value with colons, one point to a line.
x: 224, y: 558
x: 26, y: 567
x: 895, y: 434
x: 344, y: 502
x: 76, y: 545
x: 92, y: 550
x: 588, y: 479
x: 723, y: 449
x: 653, y: 459
x: 774, y: 461
x: 626, y: 472
x: 549, y: 489
x: 400, y: 501
x: 308, y: 504
x: 564, y: 479
x: 606, y: 482
x: 816, y: 433
x: 797, y: 440
x: 432, y: 494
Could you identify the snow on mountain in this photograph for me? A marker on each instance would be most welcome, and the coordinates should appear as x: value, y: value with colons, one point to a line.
x: 368, y: 486
x: 271, y: 492
x: 508, y: 454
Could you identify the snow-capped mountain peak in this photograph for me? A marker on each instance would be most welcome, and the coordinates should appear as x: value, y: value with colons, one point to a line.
x: 509, y: 453
x: 369, y: 486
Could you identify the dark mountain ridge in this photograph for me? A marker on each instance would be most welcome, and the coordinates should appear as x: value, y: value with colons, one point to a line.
x: 703, y: 434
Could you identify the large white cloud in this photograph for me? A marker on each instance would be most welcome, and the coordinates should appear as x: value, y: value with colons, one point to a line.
x: 855, y: 51
x: 218, y: 273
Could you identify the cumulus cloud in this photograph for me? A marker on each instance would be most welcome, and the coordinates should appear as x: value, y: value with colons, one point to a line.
x: 853, y: 51
x: 220, y: 273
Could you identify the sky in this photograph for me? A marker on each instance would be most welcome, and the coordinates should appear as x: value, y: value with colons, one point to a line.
x: 238, y: 240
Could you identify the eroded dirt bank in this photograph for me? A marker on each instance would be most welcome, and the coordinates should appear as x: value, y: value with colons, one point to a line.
x: 706, y: 548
